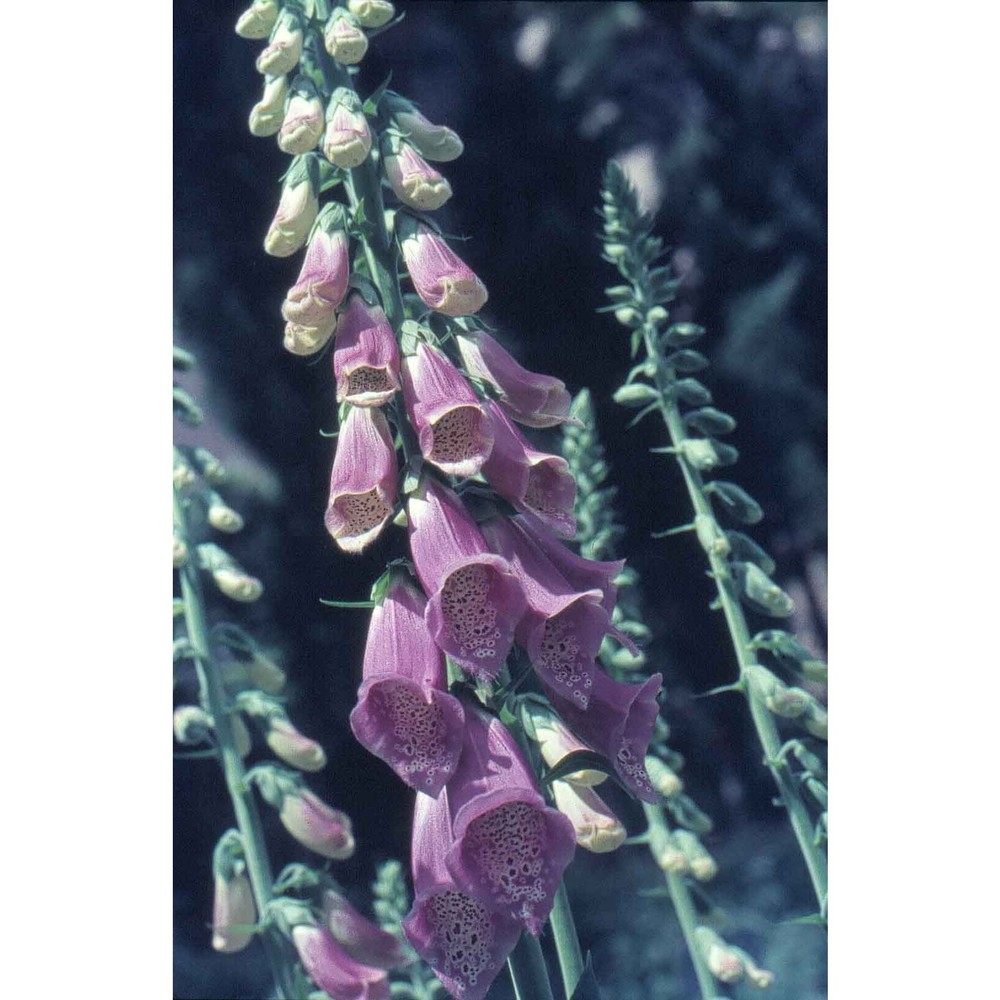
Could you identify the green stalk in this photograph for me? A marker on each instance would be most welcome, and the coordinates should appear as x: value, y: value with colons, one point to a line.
x: 729, y: 600
x: 567, y: 943
x: 527, y: 970
x: 216, y: 703
x: 680, y: 896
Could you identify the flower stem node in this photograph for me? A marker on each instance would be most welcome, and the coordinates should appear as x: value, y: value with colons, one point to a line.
x: 711, y: 537
x: 371, y: 13
x: 258, y: 19
x: 344, y: 39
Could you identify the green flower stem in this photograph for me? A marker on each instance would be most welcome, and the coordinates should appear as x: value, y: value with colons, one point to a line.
x: 567, y: 943
x: 528, y: 971
x: 729, y: 600
x: 213, y: 695
x: 680, y: 896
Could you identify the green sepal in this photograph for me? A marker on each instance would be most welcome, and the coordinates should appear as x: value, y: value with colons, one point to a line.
x: 735, y: 501
x: 638, y: 840
x: 641, y: 414
x: 725, y: 454
x: 687, y: 362
x: 635, y: 394
x: 691, y: 391
x: 745, y: 548
x: 347, y: 604
x: 587, y: 987
x: 682, y: 334
x: 580, y: 760
x: 708, y: 420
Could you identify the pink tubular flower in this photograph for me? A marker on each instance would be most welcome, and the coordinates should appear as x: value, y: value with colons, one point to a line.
x: 347, y: 138
x: 533, y: 481
x: 529, y: 398
x: 359, y: 937
x: 404, y: 714
x: 454, y: 429
x: 474, y: 600
x: 597, y: 828
x: 464, y: 941
x: 322, y: 282
x: 415, y: 181
x: 366, y: 356
x: 434, y: 142
x: 333, y: 969
x: 363, y: 480
x: 510, y: 848
x: 316, y: 825
x: 442, y: 280
x: 562, y: 629
x: 617, y: 723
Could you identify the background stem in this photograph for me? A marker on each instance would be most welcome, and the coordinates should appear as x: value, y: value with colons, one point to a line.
x: 566, y: 941
x: 528, y: 971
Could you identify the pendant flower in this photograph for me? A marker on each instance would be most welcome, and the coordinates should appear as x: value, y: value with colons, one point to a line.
x: 332, y: 969
x: 366, y: 355
x: 443, y: 280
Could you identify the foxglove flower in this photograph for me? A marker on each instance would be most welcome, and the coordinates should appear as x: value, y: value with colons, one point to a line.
x: 531, y: 480
x: 285, y: 48
x: 344, y: 40
x: 404, y: 714
x: 332, y: 969
x: 434, y: 142
x: 303, y: 339
x: 348, y: 138
x: 474, y: 601
x: 555, y: 742
x: 453, y: 428
x: 527, y: 397
x: 366, y: 355
x: 304, y: 119
x: 464, y: 941
x: 316, y: 825
x: 359, y: 937
x: 597, y: 828
x: 292, y: 747
x: 363, y: 481
x: 510, y: 848
x: 443, y: 281
x: 617, y: 723
x: 258, y: 19
x: 268, y: 113
x: 322, y: 281
x: 297, y: 211
x: 415, y: 181
x: 562, y: 629
x: 371, y: 13
x: 234, y: 912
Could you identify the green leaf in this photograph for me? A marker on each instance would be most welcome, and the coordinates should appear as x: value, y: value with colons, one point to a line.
x: 709, y: 421
x: 183, y: 360
x: 186, y: 409
x: 735, y: 501
x: 347, y: 604
x: 587, y: 988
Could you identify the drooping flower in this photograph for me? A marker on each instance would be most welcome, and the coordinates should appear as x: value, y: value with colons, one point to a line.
x: 322, y: 281
x: 348, y: 138
x: 510, y: 848
x: 555, y: 742
x: 617, y: 723
x: 462, y: 939
x: 297, y: 211
x: 234, y: 912
x: 527, y: 397
x: 366, y: 355
x: 316, y: 825
x: 303, y: 339
x: 562, y: 629
x: 434, y: 142
x: 371, y: 13
x: 344, y: 39
x: 443, y: 281
x: 292, y: 747
x: 404, y: 714
x: 474, y: 601
x: 533, y: 481
x: 454, y: 430
x: 597, y: 828
x: 258, y: 19
x: 304, y: 119
x: 285, y: 48
x: 332, y: 968
x: 268, y: 113
x: 414, y: 180
x: 363, y: 480
x: 359, y: 937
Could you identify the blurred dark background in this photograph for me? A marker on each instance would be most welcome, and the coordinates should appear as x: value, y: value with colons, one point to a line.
x: 718, y: 112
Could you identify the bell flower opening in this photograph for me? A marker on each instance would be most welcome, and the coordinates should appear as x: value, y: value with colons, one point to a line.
x: 322, y: 281
x: 366, y: 355
x: 332, y: 969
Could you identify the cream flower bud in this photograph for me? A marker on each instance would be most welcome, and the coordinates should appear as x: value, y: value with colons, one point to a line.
x: 371, y: 13
x: 237, y: 585
x: 415, y: 182
x: 703, y: 866
x: 304, y: 120
x: 667, y: 852
x: 723, y: 961
x: 224, y: 518
x: 597, y: 828
x: 282, y: 54
x: 297, y: 211
x: 761, y: 978
x: 294, y: 748
x: 664, y: 779
x: 180, y: 552
x: 434, y: 142
x: 305, y: 340
x: 348, y: 138
x: 192, y: 725
x: 268, y: 113
x: 183, y: 474
x: 265, y: 674
x: 234, y: 912
x: 344, y: 40
x: 555, y: 741
x: 258, y: 19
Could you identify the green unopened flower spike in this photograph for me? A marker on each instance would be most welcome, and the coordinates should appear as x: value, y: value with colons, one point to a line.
x: 258, y: 19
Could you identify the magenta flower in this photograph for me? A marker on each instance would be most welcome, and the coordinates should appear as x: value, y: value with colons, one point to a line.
x: 510, y: 848
x: 332, y: 969
x: 322, y: 282
x: 359, y: 937
x: 415, y: 182
x: 454, y: 429
x: 562, y: 629
x: 527, y: 397
x: 404, y: 714
x: 459, y: 937
x: 363, y: 481
x: 316, y: 825
x: 474, y: 600
x: 444, y: 281
x: 617, y: 723
x: 533, y: 481
x: 366, y: 356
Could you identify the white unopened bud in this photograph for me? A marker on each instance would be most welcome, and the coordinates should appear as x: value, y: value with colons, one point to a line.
x: 303, y: 124
x: 664, y: 779
x: 268, y: 113
x: 258, y: 19
x: 265, y: 674
x: 371, y: 13
x: 239, y: 586
x: 344, y: 40
x: 282, y: 54
x: 180, y: 552
x: 295, y: 215
x: 224, y: 518
x: 597, y: 828
x: 304, y: 340
x: 555, y: 742
x: 722, y: 961
x: 294, y: 748
x: 703, y: 866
